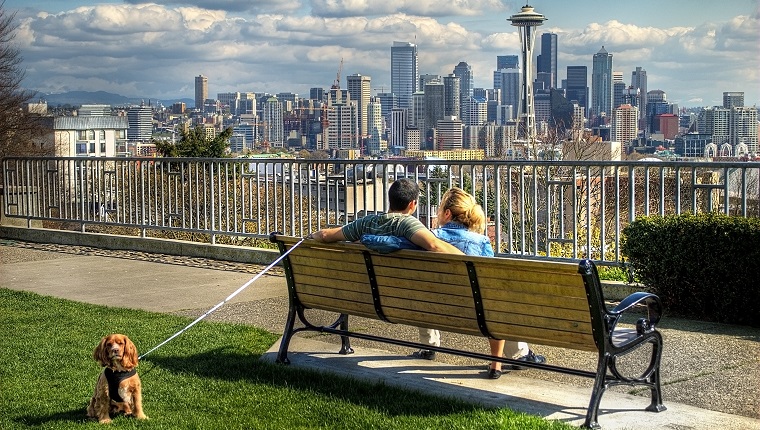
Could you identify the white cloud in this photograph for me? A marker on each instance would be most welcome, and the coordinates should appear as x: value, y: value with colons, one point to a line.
x: 153, y: 50
x: 434, y: 8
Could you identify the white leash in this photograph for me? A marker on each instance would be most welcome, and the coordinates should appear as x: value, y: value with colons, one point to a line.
x: 243, y: 287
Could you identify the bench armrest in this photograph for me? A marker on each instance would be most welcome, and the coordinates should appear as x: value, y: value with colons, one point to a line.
x: 643, y: 325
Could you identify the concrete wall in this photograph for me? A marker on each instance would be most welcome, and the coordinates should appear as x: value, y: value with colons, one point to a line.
x: 163, y: 246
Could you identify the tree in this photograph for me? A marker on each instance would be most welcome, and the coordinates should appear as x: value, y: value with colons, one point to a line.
x: 195, y: 143
x: 20, y: 130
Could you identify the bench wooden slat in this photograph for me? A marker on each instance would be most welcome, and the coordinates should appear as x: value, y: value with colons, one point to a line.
x: 348, y: 295
x: 326, y: 304
x: 330, y: 274
x: 429, y: 307
x: 544, y: 336
x: 494, y: 298
x: 426, y: 320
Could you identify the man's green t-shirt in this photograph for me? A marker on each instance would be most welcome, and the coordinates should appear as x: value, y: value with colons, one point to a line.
x: 390, y: 224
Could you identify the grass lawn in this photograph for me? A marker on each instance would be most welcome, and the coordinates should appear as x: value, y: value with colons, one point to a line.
x: 208, y: 378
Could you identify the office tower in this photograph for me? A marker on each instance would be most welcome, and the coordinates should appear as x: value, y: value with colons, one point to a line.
x: 601, y: 83
x: 434, y: 105
x: 639, y: 82
x: 273, y: 126
x: 416, y: 115
x: 743, y: 129
x: 625, y: 124
x: 657, y: 104
x: 201, y: 91
x: 466, y: 81
x: 451, y: 95
x: 374, y: 127
x: 388, y: 102
x: 527, y: 21
x: 733, y: 99
x: 425, y: 78
x: 618, y: 93
x: 547, y: 60
x: 509, y: 86
x: 450, y: 134
x: 507, y: 62
x: 343, y: 125
x: 577, y: 86
x: 396, y: 137
x: 317, y: 93
x: 404, y: 72
x: 140, y: 119
x: 474, y: 111
x: 359, y: 89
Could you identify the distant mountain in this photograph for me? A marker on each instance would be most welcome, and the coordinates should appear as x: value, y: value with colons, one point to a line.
x: 78, y: 98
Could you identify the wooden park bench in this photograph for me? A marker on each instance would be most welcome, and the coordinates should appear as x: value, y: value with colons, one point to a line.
x: 537, y: 301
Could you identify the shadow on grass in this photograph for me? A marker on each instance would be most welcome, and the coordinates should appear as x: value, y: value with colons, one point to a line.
x: 78, y: 415
x: 229, y: 366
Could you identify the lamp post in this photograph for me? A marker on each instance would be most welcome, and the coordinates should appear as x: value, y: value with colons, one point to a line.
x: 527, y: 20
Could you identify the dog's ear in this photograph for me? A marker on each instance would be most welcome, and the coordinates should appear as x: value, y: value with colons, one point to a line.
x: 100, y: 355
x: 129, y: 360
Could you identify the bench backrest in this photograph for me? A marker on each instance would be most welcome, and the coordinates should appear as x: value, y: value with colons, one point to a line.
x: 537, y: 301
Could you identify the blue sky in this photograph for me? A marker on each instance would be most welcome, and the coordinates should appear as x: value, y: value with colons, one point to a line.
x: 691, y: 49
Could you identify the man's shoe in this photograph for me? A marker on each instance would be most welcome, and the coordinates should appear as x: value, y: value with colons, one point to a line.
x: 530, y: 357
x: 424, y: 354
x: 494, y: 373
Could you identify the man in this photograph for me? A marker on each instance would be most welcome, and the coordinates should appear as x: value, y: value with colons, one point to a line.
x: 398, y: 221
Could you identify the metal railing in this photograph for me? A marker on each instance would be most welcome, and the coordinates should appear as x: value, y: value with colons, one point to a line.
x: 556, y: 209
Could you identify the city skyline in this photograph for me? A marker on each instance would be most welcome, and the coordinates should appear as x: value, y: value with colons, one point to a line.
x: 692, y: 50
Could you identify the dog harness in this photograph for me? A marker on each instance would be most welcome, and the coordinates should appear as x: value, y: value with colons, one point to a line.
x: 114, y: 378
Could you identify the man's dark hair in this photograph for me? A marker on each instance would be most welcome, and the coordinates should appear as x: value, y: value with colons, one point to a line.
x: 402, y: 192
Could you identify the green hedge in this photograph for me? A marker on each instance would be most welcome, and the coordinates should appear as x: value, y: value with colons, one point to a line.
x: 703, y: 266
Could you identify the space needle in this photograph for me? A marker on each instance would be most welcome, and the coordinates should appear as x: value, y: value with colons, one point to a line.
x: 527, y: 21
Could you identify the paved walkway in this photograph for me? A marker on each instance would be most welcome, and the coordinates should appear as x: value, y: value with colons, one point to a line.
x: 711, y: 377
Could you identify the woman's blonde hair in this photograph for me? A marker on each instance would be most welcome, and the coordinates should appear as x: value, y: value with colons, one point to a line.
x: 464, y: 209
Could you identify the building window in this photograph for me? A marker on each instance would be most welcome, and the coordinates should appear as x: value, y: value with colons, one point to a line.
x: 102, y: 135
x: 92, y: 147
x: 103, y: 147
x: 81, y: 148
x: 81, y: 134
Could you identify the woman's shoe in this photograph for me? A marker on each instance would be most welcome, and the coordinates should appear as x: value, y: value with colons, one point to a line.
x: 494, y: 373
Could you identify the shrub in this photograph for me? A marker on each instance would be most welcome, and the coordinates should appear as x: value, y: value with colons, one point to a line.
x: 702, y: 266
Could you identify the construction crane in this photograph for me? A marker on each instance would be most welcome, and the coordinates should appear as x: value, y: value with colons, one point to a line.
x: 336, y: 84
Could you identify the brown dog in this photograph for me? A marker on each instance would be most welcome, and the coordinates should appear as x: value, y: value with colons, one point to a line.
x: 118, y: 388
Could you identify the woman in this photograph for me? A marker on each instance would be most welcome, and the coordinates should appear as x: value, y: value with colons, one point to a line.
x: 462, y: 223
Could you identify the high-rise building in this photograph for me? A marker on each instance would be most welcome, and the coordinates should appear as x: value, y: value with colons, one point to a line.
x: 577, y: 87
x: 509, y: 85
x: 507, y: 62
x: 343, y: 128
x: 396, y: 137
x: 374, y: 127
x: 451, y: 95
x: 434, y: 106
x: 733, y: 99
x: 317, y: 93
x: 466, y: 81
x: 474, y: 111
x: 527, y: 21
x: 388, y: 102
x: 450, y: 134
x: 140, y: 120
x: 273, y: 126
x: 625, y: 124
x: 601, y: 83
x: 201, y: 91
x: 404, y: 72
x: 359, y: 90
x: 639, y: 82
x: 547, y: 60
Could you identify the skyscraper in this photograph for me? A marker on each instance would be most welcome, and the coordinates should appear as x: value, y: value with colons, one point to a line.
x: 466, y: 82
x: 359, y: 89
x: 374, y: 127
x: 201, y: 91
x: 507, y: 62
x: 547, y: 60
x: 625, y: 122
x: 527, y: 21
x: 601, y: 84
x: 733, y: 99
x: 639, y: 82
x: 577, y: 86
x: 452, y: 91
x: 404, y: 72
x: 509, y: 86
